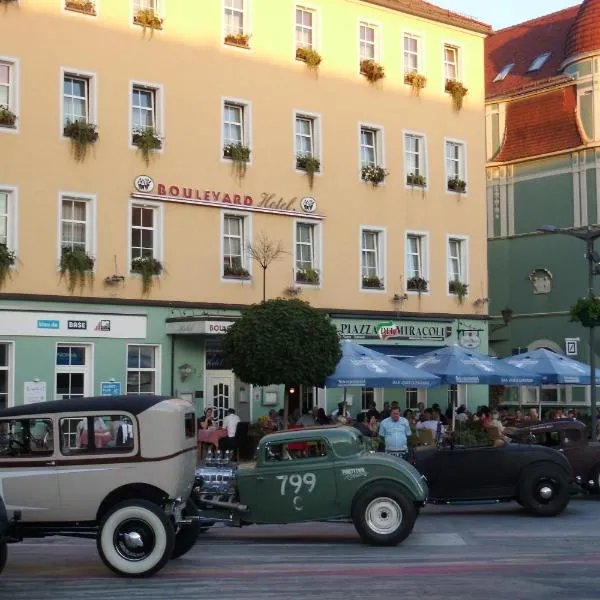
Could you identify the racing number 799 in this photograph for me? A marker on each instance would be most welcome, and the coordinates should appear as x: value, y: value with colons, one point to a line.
x: 296, y: 481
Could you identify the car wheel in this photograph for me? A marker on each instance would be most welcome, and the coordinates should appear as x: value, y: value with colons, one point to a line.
x: 3, y: 555
x: 383, y: 515
x: 187, y: 535
x: 544, y: 491
x: 135, y: 538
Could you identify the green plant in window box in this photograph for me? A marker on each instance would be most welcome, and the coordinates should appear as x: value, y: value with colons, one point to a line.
x: 416, y: 81
x: 309, y: 276
x: 147, y: 140
x: 459, y: 289
x: 8, y: 1
x: 7, y: 260
x: 82, y: 134
x: 235, y: 272
x: 238, y: 39
x: 7, y: 117
x: 87, y: 7
x: 373, y: 174
x: 458, y: 91
x: 148, y: 19
x: 148, y: 267
x: 77, y: 266
x: 417, y: 284
x: 240, y: 155
x: 586, y: 311
x: 372, y: 70
x: 416, y: 179
x: 456, y: 184
x: 309, y: 163
x: 372, y: 282
x: 311, y: 57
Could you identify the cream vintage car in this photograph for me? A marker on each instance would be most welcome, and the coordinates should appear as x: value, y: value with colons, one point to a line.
x: 119, y: 469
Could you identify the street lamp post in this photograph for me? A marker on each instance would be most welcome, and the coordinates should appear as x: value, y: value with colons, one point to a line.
x: 589, y: 235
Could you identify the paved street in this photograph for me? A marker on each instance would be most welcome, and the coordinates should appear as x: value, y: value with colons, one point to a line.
x: 454, y: 553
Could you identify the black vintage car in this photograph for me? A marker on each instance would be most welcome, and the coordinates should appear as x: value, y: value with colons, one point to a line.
x: 570, y: 437
x: 538, y: 478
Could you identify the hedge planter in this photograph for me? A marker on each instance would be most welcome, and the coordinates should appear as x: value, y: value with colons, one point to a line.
x: 587, y: 312
x: 311, y: 57
x: 240, y: 155
x: 7, y: 260
x: 82, y: 134
x: 7, y: 117
x: 77, y: 266
x: 372, y: 283
x: 457, y: 185
x: 417, y: 284
x: 459, y: 289
x: 416, y: 81
x: 372, y: 70
x: 374, y: 174
x: 235, y: 272
x: 310, y: 164
x: 458, y: 91
x: 147, y: 142
x: 86, y: 7
x: 148, y: 267
x: 238, y: 39
x: 307, y: 276
x: 416, y: 180
x: 147, y: 19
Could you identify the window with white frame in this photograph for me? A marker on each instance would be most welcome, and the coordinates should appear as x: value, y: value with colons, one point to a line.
x: 305, y: 28
x: 306, y: 258
x: 236, y: 126
x: 142, y: 365
x: 234, y: 245
x: 455, y: 165
x: 144, y: 231
x: 72, y: 371
x: 235, y: 17
x: 411, y: 395
x: 144, y: 108
x: 76, y: 99
x: 415, y: 257
x: 457, y: 261
x: 412, y: 54
x: 307, y: 143
x: 453, y: 395
x: 367, y: 398
x: 372, y: 258
x: 7, y: 218
x: 5, y: 375
x: 8, y: 94
x: 415, y: 159
x: 75, y: 224
x: 451, y: 71
x: 368, y: 41
x: 369, y: 146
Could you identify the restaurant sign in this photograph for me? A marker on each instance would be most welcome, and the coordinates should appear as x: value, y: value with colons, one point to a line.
x: 267, y: 202
x: 394, y: 330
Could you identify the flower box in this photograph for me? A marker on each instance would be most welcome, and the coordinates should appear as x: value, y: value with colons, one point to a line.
x: 372, y: 282
x: 373, y: 174
x: 307, y: 276
x: 240, y: 40
x: 458, y: 288
x: 147, y: 18
x: 372, y: 70
x: 457, y: 185
x: 235, y: 272
x: 417, y: 284
x: 147, y: 267
x: 311, y: 57
x: 7, y: 260
x: 86, y: 7
x: 7, y: 117
x: 416, y: 180
x: 458, y: 91
x: 416, y: 81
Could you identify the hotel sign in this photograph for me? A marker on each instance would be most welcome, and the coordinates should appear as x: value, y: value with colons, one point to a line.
x: 197, y: 327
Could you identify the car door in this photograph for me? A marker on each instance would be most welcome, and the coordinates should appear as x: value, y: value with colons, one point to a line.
x: 295, y: 485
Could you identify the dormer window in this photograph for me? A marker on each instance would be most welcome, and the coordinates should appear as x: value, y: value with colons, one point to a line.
x: 505, y: 71
x: 538, y: 63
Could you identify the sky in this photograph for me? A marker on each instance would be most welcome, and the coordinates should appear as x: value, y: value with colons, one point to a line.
x: 503, y: 13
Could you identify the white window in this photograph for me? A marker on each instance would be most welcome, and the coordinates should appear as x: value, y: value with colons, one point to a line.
x: 142, y: 369
x: 235, y: 241
x: 412, y: 54
x: 415, y: 257
x: 76, y: 99
x: 305, y: 135
x: 372, y: 259
x: 9, y: 94
x: 5, y: 375
x: 76, y: 224
x: 369, y: 147
x: 455, y: 163
x: 415, y: 158
x: 235, y: 17
x: 143, y: 108
x: 451, y: 71
x: 233, y: 124
x: 538, y: 62
x: 8, y: 218
x: 457, y: 259
x: 145, y: 5
x: 305, y: 28
x: 368, y: 41
x: 145, y: 232
x: 504, y: 72
x: 72, y: 379
x: 307, y: 255
x: 411, y: 396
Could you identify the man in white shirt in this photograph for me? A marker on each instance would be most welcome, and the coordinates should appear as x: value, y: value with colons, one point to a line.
x: 431, y: 423
x: 230, y: 423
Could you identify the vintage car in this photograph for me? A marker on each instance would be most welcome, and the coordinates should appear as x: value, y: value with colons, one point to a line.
x: 314, y: 474
x: 570, y: 437
x: 119, y: 469
x: 538, y: 478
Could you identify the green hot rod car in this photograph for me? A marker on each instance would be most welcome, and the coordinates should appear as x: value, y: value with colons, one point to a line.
x: 314, y: 474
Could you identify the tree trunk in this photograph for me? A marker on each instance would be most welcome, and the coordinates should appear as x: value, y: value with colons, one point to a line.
x: 286, y: 408
x: 264, y: 284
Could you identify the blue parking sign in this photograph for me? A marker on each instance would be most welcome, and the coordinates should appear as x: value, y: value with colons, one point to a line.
x: 110, y: 388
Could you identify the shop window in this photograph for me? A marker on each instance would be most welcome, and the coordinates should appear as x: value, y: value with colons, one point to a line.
x: 142, y: 364
x: 72, y: 371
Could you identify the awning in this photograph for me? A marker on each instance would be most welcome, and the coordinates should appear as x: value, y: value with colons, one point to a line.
x: 400, y: 351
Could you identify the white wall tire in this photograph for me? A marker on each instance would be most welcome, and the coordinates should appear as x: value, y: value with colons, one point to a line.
x: 135, y: 538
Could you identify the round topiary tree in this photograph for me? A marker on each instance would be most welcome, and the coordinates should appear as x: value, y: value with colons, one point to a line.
x: 283, y: 342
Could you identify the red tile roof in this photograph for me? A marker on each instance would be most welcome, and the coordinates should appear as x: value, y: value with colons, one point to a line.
x: 585, y: 33
x: 420, y: 8
x: 520, y: 45
x: 541, y: 124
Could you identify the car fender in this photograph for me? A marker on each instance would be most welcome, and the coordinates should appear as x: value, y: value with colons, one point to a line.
x: 544, y: 462
x: 3, y: 520
x: 387, y: 482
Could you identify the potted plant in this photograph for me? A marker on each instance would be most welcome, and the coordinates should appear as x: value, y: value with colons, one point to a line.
x: 458, y: 91
x: 416, y: 179
x: 235, y: 272
x: 456, y: 184
x: 240, y: 155
x: 372, y: 282
x: 147, y: 140
x: 311, y: 57
x: 372, y: 70
x: 241, y: 40
x: 82, y: 134
x: 147, y: 267
x: 7, y: 259
x: 308, y: 276
x: 417, y: 284
x: 77, y: 266
x: 586, y: 311
x: 373, y: 174
x: 416, y: 81
x: 148, y: 19
x: 7, y: 117
x: 86, y: 7
x: 309, y: 163
x: 459, y: 289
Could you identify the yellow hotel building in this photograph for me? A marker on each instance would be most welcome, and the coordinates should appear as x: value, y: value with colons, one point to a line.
x: 145, y: 145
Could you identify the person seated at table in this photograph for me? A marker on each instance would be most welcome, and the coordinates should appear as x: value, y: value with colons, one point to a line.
x: 206, y: 421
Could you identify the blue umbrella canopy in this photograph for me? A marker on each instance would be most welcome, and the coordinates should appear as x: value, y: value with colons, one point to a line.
x: 361, y: 367
x: 552, y: 367
x: 455, y: 365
